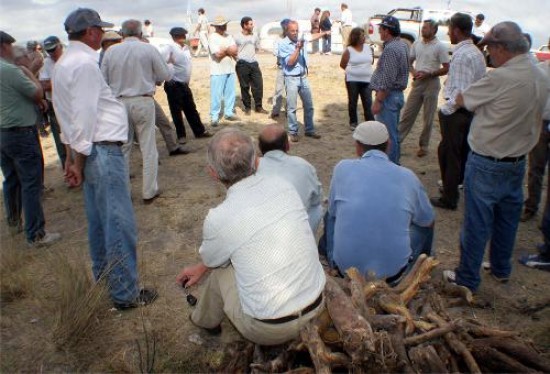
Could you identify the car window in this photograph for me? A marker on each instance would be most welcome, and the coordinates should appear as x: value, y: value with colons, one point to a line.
x: 403, y: 14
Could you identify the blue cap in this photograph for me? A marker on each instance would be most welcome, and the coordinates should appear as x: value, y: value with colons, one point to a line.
x: 82, y: 18
x: 392, y: 23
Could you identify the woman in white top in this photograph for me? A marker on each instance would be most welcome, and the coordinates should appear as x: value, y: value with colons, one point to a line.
x: 357, y: 61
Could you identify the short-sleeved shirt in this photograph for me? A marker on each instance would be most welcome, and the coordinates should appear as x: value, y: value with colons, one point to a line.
x: 508, y: 104
x: 247, y: 45
x: 392, y: 70
x: 46, y: 73
x: 372, y: 204
x: 286, y: 49
x: 429, y: 56
x: 17, y: 108
x: 203, y: 23
x: 218, y: 42
x: 262, y: 229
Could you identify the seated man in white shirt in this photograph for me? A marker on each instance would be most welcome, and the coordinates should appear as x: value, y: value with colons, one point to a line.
x: 266, y: 277
x: 274, y: 145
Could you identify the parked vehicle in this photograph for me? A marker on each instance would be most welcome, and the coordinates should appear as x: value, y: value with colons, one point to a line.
x: 410, y: 20
x: 543, y: 54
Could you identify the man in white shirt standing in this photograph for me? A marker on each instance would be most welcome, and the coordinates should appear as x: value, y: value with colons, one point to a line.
x: 222, y: 53
x: 132, y: 69
x: 95, y: 124
x: 180, y: 97
x: 274, y: 145
x: 480, y: 28
x: 202, y: 31
x: 265, y: 274
x: 346, y: 23
x: 432, y: 61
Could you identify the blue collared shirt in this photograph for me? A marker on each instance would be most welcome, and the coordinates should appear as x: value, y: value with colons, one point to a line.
x: 286, y: 49
x: 372, y: 204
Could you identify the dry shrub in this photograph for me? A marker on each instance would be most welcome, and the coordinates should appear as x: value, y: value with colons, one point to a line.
x: 15, y: 281
x: 79, y: 304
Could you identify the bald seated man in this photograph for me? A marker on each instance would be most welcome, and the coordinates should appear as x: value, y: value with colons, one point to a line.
x: 274, y: 146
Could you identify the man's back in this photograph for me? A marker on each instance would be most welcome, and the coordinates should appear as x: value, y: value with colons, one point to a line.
x: 16, y: 93
x: 262, y: 228
x: 133, y: 67
x: 374, y: 203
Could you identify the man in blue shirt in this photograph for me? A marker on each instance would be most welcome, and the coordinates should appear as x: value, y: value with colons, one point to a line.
x: 379, y: 216
x: 293, y: 55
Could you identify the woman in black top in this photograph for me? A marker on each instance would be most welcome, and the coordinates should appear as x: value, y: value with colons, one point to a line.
x: 326, y: 25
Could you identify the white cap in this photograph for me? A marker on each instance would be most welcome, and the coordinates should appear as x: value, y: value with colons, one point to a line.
x: 371, y: 133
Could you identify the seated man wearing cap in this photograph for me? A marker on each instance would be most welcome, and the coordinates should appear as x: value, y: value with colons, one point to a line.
x: 379, y: 217
x: 265, y: 274
x: 54, y: 48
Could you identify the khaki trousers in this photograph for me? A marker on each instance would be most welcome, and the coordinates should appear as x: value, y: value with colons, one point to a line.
x: 220, y: 299
x: 346, y: 30
x: 423, y: 94
x: 141, y: 118
x: 165, y: 127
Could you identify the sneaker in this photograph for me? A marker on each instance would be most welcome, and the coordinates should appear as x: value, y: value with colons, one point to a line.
x: 313, y: 135
x: 16, y: 228
x: 293, y: 138
x: 232, y: 118
x: 214, y: 123
x: 182, y: 140
x: 274, y: 115
x: 178, y: 151
x: 205, y: 134
x: 486, y: 265
x: 438, y: 202
x: 151, y: 199
x: 47, y: 239
x: 537, y: 261
x: 352, y: 126
x: 527, y: 215
x: 146, y: 296
x: 421, y: 152
x: 261, y: 110
x: 449, y: 276
x: 440, y: 185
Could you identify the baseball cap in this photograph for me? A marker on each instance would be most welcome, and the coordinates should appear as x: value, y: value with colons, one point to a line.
x: 499, y: 34
x: 82, y: 18
x: 178, y: 31
x: 6, y: 38
x: 220, y: 21
x: 371, y: 133
x: 391, y: 23
x: 51, y: 42
x: 285, y: 22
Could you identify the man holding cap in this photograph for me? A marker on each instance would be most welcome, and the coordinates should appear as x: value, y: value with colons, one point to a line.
x: 389, y: 80
x: 54, y: 49
x: 379, y: 216
x: 180, y: 97
x: 20, y: 153
x: 95, y: 125
x: 222, y: 53
x: 507, y: 104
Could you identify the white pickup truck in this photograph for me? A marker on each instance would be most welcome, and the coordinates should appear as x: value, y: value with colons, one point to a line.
x: 410, y: 20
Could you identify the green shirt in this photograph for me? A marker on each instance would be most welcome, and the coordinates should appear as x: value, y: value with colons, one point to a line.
x: 17, y: 107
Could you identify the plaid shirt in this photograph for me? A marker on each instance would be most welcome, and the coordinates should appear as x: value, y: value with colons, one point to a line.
x: 467, y: 66
x: 392, y: 71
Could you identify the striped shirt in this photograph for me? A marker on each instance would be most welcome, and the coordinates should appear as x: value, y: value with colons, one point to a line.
x: 392, y: 71
x: 467, y: 66
x: 262, y: 228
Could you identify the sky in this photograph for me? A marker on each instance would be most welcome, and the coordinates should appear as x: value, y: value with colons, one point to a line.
x: 36, y: 19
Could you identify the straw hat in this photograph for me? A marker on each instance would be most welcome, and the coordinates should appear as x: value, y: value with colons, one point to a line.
x: 220, y: 21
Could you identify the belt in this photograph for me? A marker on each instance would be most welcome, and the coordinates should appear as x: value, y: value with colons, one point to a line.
x: 292, y: 317
x: 504, y: 159
x: 296, y: 76
x: 19, y: 129
x: 130, y: 97
x: 104, y: 142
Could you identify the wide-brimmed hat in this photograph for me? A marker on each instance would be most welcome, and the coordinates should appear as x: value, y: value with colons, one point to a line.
x: 110, y: 36
x: 371, y: 133
x: 220, y: 21
x: 82, y: 18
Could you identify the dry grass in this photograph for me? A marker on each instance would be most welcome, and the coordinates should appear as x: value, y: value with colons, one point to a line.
x: 15, y: 281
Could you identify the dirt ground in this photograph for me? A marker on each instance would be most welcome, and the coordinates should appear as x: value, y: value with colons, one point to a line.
x: 170, y: 234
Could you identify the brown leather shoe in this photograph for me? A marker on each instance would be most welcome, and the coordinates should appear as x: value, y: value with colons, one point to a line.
x: 313, y: 135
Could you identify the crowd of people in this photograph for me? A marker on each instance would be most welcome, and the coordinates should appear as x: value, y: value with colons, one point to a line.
x: 258, y: 246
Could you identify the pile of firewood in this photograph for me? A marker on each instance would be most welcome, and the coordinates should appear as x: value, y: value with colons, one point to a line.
x: 370, y: 327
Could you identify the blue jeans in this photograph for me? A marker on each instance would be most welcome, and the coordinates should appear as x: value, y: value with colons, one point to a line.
x: 112, y: 231
x: 389, y: 116
x: 493, y: 201
x: 21, y: 162
x: 299, y: 86
x: 222, y: 87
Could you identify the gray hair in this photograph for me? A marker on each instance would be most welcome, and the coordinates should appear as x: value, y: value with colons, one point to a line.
x: 232, y: 154
x: 131, y: 27
x: 19, y: 52
x: 509, y: 35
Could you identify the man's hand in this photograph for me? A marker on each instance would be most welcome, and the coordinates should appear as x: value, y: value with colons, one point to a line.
x: 43, y: 105
x: 422, y: 75
x: 191, y: 274
x: 73, y: 175
x: 232, y: 51
x: 376, y: 107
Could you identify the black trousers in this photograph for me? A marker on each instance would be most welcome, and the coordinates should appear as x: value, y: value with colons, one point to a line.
x: 453, y: 151
x: 180, y: 98
x: 356, y: 90
x: 250, y: 77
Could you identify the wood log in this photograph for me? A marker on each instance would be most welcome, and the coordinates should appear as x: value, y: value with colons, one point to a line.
x: 301, y: 370
x: 424, y: 325
x: 357, y: 285
x: 425, y: 360
x: 446, y: 357
x: 277, y: 365
x: 239, y: 355
x: 430, y: 335
x: 483, y: 331
x: 455, y: 290
x: 373, y: 287
x: 396, y: 337
x: 517, y: 350
x: 386, y: 322
x: 356, y: 333
x: 407, y: 280
x: 321, y: 355
x: 499, y: 362
x: 456, y: 345
x: 391, y: 303
x: 422, y: 276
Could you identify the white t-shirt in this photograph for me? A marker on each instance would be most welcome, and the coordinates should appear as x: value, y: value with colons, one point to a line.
x: 359, y: 67
x: 46, y: 73
x: 202, y: 21
x: 218, y: 42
